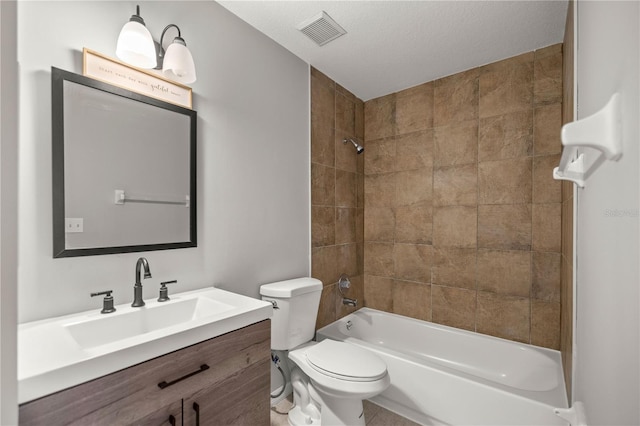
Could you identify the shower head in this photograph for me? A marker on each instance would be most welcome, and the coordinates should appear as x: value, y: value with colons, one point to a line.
x: 359, y: 148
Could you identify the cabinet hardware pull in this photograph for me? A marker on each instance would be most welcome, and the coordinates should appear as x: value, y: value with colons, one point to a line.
x: 196, y: 408
x: 163, y: 384
x: 172, y: 420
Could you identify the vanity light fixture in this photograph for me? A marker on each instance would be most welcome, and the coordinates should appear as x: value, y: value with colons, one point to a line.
x: 135, y: 44
x: 137, y: 47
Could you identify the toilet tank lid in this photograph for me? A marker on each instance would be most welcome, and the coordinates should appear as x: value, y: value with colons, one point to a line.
x: 291, y: 288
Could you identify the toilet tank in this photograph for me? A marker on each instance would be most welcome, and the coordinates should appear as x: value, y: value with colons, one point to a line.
x: 295, y: 310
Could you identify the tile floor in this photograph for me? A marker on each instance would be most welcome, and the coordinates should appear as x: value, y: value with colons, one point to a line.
x: 374, y: 415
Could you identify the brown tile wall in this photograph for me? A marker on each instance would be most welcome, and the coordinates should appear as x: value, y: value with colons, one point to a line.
x: 566, y: 290
x: 337, y: 194
x: 462, y: 218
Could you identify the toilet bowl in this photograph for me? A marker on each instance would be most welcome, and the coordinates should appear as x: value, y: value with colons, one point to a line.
x: 329, y: 379
x: 342, y: 375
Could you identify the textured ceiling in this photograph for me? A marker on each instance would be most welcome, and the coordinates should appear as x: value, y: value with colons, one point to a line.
x: 393, y: 45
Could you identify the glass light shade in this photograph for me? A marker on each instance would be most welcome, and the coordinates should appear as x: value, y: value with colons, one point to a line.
x: 135, y: 46
x: 178, y: 63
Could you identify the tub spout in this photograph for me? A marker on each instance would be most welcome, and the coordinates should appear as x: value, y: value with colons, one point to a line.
x: 349, y: 302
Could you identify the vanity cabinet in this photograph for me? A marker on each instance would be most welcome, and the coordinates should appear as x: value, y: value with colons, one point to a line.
x: 221, y: 381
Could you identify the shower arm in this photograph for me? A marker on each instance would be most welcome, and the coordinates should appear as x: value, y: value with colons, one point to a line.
x: 359, y: 148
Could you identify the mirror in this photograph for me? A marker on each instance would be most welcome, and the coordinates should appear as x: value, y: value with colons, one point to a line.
x: 124, y: 170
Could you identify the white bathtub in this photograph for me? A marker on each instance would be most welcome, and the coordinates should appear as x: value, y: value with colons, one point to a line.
x: 444, y: 375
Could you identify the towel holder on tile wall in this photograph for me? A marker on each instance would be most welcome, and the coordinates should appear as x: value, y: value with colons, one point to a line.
x: 600, y: 131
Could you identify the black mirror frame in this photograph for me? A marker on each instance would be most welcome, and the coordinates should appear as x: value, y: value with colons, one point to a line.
x: 58, y: 76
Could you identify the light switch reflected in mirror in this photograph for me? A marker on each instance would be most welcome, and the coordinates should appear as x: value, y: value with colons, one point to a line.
x: 123, y: 170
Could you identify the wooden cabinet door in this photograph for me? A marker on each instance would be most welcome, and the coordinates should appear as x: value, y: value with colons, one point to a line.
x: 127, y: 397
x: 170, y: 415
x: 240, y: 399
x: 130, y: 412
x: 239, y: 393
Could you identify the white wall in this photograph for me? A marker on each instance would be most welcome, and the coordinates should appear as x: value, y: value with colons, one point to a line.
x: 608, y: 327
x: 8, y: 212
x: 252, y: 98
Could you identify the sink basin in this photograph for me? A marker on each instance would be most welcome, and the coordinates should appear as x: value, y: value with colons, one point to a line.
x: 118, y: 326
x: 57, y: 353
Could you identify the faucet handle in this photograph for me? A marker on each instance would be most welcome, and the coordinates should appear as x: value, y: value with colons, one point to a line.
x: 107, y: 302
x: 164, y: 291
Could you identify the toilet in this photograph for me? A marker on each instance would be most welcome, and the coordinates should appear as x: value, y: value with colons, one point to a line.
x: 329, y: 379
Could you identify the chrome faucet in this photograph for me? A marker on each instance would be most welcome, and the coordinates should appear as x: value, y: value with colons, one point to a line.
x: 137, y: 287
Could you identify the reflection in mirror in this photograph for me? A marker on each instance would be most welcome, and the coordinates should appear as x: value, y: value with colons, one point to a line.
x: 123, y: 170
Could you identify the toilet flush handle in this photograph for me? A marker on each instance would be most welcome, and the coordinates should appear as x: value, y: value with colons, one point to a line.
x: 274, y: 303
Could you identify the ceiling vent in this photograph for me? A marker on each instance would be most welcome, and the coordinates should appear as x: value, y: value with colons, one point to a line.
x: 321, y: 29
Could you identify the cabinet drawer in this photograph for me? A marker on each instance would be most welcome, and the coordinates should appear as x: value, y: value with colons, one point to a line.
x: 133, y: 395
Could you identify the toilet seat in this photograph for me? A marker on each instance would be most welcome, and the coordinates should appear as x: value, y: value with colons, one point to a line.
x: 345, y: 362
